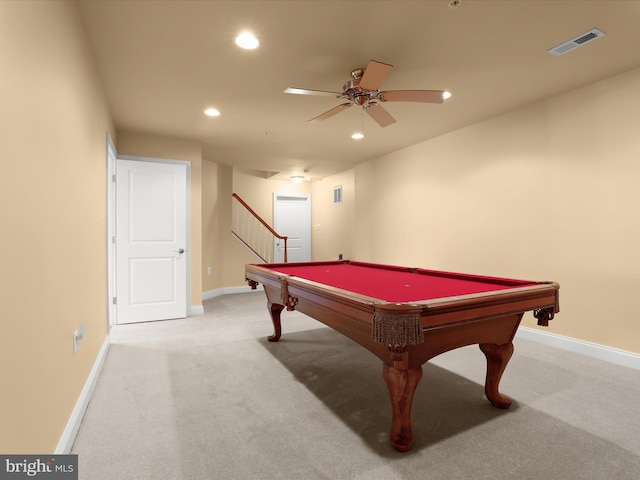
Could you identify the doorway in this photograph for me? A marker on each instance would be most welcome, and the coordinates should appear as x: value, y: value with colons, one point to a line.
x: 151, y: 254
x: 292, y: 218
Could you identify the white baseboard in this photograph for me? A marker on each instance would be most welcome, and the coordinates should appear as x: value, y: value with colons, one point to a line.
x: 196, y: 310
x: 73, y: 424
x: 229, y: 290
x: 594, y: 350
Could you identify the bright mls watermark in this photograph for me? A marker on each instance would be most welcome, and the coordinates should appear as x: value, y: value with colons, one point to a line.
x: 49, y: 467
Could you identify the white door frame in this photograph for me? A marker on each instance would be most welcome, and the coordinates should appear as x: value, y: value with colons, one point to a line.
x: 112, y: 156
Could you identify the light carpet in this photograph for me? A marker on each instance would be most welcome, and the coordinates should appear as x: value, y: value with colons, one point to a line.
x: 207, y: 397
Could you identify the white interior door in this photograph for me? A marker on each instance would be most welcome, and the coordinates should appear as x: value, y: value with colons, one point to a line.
x: 151, y: 265
x: 292, y: 217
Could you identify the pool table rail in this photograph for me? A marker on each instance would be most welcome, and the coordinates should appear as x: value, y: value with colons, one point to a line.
x: 539, y: 297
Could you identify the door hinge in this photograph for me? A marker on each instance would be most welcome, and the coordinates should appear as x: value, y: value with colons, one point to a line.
x: 113, y: 239
x: 113, y: 178
x: 115, y: 301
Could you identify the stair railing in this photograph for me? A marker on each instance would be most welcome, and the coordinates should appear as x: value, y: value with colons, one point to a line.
x: 256, y: 234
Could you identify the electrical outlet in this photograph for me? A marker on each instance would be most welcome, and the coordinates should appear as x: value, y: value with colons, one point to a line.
x: 208, y: 270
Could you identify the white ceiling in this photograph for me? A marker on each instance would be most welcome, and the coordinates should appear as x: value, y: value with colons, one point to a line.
x: 164, y: 62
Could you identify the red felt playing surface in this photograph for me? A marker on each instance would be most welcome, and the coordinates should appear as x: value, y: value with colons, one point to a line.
x: 397, y: 285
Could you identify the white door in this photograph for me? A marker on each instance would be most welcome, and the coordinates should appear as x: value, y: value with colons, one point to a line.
x: 292, y: 218
x: 151, y: 264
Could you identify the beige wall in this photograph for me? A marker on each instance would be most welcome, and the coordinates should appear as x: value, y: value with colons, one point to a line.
x: 53, y: 126
x: 333, y: 224
x: 154, y: 146
x: 548, y: 192
x: 212, y: 211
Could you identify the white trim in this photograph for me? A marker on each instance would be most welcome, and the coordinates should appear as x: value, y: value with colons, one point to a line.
x: 594, y: 350
x: 73, y: 424
x: 229, y: 291
x: 112, y: 155
x: 195, y: 310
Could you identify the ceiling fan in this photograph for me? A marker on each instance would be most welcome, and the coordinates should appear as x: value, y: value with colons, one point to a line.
x: 363, y: 91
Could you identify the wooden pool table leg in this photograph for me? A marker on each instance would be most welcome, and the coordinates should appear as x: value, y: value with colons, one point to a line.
x: 274, y: 310
x: 497, y: 358
x: 402, y: 385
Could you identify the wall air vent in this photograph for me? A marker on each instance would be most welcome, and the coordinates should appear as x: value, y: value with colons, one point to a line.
x: 576, y: 42
x: 337, y: 194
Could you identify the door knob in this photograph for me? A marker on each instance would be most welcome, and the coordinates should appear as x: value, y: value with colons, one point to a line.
x: 180, y: 250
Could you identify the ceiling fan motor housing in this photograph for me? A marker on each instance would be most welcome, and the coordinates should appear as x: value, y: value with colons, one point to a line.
x: 353, y: 92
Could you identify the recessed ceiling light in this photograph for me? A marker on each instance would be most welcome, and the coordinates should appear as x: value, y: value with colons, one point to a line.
x: 212, y: 112
x: 446, y: 95
x: 247, y: 41
x: 357, y: 136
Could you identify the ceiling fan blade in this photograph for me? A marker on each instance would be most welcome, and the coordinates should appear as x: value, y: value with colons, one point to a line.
x: 425, y: 96
x: 330, y: 113
x: 380, y: 115
x: 374, y: 74
x: 304, y: 91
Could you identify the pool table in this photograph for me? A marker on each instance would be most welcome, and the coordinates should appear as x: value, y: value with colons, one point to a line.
x: 406, y: 316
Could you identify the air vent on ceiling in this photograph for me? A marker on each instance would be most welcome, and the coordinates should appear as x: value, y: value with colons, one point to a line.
x: 576, y: 42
